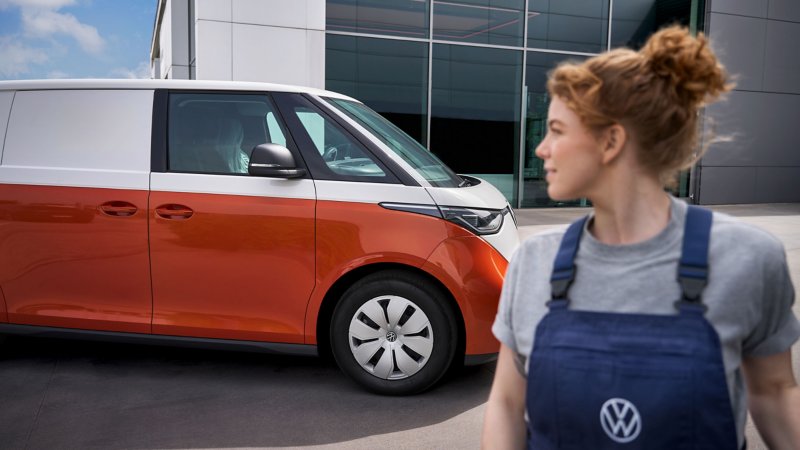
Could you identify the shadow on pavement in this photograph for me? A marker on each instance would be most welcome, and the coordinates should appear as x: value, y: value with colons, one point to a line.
x: 113, y: 396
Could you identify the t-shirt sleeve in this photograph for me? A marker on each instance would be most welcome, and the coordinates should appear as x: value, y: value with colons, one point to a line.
x: 503, y: 327
x: 778, y: 328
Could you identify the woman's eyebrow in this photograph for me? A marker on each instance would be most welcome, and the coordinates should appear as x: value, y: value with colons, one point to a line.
x: 551, y: 122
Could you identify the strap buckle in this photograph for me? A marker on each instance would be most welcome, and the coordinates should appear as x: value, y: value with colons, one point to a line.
x: 559, y: 283
x: 692, y: 280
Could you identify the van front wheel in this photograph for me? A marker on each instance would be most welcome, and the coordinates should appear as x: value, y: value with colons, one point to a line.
x: 394, y: 333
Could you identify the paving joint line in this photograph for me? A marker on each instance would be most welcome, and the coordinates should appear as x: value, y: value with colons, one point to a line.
x: 36, y: 419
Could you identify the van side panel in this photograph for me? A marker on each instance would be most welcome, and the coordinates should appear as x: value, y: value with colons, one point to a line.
x: 74, y: 186
x: 6, y: 98
x: 93, y: 139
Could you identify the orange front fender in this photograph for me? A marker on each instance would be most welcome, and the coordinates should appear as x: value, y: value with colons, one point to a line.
x: 473, y: 271
x: 353, y: 235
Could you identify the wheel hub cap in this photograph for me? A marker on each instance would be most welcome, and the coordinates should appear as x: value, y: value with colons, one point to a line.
x: 391, y: 337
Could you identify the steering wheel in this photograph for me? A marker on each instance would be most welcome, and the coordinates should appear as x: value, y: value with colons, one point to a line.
x: 330, y: 154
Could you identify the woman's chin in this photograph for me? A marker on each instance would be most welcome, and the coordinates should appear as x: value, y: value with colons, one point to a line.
x: 557, y: 194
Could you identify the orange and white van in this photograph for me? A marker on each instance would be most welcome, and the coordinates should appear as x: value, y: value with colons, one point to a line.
x: 244, y: 216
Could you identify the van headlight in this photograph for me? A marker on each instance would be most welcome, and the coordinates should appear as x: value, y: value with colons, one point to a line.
x: 479, y: 221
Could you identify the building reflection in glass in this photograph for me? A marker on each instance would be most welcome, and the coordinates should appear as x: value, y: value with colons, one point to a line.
x: 475, y: 109
x: 633, y: 21
x: 407, y: 18
x: 496, y: 22
x: 389, y: 76
x: 574, y: 25
x: 537, y: 101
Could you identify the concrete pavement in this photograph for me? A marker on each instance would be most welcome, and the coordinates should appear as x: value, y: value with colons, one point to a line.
x: 72, y: 394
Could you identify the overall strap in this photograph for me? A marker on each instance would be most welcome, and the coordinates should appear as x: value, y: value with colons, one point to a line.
x: 693, y: 267
x: 563, y: 267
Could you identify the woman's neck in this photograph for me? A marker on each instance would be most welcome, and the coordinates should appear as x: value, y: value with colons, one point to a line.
x: 631, y: 210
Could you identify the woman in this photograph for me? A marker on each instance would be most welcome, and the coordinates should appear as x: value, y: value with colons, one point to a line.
x: 657, y: 319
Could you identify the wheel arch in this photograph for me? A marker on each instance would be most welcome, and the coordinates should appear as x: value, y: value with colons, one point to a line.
x: 338, y: 288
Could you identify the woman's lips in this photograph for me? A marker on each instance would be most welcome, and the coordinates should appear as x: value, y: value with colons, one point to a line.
x: 549, y: 174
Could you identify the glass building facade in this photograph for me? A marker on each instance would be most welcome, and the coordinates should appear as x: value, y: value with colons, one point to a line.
x: 466, y: 78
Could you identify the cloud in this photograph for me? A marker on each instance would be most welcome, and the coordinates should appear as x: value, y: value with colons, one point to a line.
x: 57, y: 74
x: 141, y: 71
x: 44, y: 23
x: 40, y: 19
x: 15, y: 57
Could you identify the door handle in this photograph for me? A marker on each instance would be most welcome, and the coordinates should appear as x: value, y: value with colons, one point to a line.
x: 175, y: 212
x: 118, y: 209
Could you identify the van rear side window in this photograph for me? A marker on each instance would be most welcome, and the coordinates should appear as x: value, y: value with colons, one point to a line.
x: 216, y: 133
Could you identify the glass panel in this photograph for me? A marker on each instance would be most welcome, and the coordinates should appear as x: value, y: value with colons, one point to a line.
x: 407, y: 18
x: 534, y: 187
x: 423, y: 161
x: 633, y: 21
x: 475, y: 109
x: 216, y: 133
x: 340, y: 154
x: 497, y: 22
x: 387, y: 75
x: 572, y: 25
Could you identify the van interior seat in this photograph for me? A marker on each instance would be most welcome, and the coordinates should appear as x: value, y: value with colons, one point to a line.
x: 229, y: 145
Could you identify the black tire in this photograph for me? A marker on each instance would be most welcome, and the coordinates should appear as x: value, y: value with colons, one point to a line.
x: 424, y: 294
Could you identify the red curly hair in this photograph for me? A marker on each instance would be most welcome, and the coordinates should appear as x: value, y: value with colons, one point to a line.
x: 654, y: 94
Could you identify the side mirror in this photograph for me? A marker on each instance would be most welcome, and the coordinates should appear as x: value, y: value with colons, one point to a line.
x: 274, y: 161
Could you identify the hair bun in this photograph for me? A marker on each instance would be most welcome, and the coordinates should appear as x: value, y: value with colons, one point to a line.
x: 694, y: 73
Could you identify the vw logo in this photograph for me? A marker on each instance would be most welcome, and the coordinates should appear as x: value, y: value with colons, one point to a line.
x: 391, y: 336
x: 621, y: 420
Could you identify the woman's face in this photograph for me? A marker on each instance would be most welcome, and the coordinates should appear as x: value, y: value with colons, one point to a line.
x: 571, y: 154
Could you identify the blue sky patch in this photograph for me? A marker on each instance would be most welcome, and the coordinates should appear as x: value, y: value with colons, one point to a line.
x: 75, y: 38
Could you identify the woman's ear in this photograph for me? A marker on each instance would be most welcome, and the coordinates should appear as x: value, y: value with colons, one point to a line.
x: 612, y: 142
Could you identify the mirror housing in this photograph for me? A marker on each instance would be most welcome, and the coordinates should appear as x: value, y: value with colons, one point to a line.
x: 274, y: 161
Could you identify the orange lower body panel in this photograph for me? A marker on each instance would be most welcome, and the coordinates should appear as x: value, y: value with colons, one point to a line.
x: 474, y: 272
x: 66, y: 262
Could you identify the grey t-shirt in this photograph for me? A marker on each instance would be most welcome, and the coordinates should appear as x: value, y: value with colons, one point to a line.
x: 749, y: 294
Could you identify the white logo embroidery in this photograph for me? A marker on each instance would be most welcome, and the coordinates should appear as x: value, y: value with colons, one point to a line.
x: 620, y: 420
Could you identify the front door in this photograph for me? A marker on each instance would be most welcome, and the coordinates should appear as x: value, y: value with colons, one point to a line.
x: 232, y: 255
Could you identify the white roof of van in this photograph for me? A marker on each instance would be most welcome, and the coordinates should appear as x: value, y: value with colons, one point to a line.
x: 94, y: 83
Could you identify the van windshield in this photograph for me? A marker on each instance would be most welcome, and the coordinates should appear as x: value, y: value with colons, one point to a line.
x: 423, y: 161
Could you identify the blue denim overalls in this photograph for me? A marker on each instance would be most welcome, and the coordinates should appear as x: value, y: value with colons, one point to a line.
x: 630, y: 381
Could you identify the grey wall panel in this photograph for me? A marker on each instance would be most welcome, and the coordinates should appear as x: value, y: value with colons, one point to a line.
x: 727, y: 185
x: 763, y: 128
x: 739, y: 44
x: 752, y: 8
x: 778, y: 185
x: 784, y: 10
x: 782, y: 57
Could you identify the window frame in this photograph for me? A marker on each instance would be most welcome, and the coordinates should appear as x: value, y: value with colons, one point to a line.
x: 160, y: 149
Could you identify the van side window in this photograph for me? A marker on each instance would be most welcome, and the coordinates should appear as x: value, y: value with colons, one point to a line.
x: 340, y: 153
x: 216, y: 133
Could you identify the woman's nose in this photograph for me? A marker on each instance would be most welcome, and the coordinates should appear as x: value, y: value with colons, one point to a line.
x: 542, y: 150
